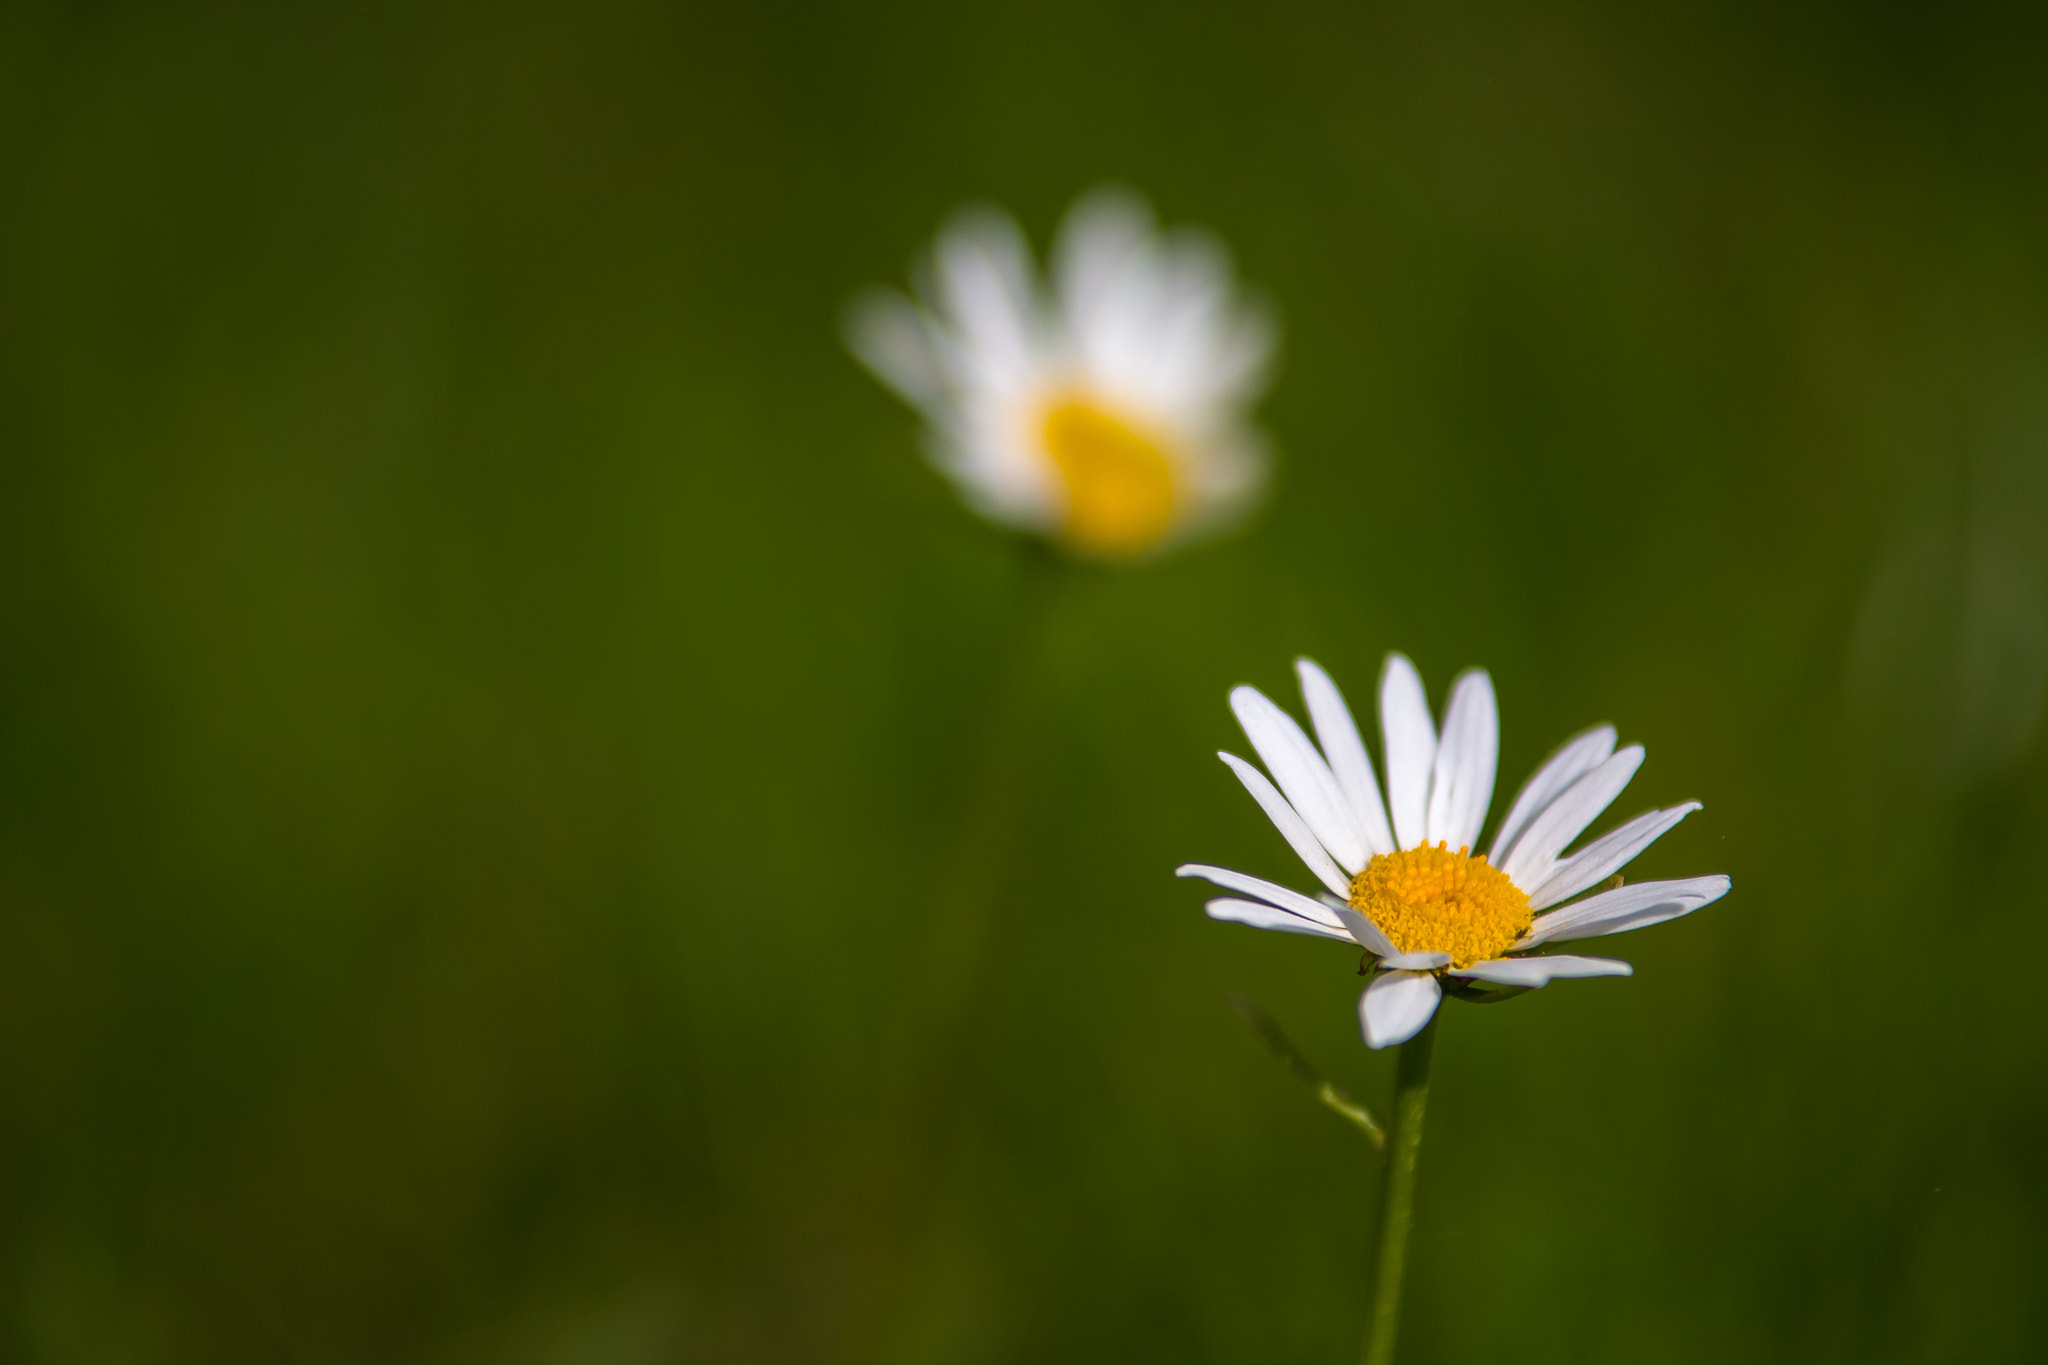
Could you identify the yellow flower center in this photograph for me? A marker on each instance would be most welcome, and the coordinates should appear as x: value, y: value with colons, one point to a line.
x: 1431, y: 900
x: 1120, y: 487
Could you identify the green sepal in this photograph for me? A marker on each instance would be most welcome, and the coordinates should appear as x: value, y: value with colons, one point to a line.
x: 1480, y: 993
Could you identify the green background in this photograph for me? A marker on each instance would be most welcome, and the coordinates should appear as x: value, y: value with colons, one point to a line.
x: 533, y: 828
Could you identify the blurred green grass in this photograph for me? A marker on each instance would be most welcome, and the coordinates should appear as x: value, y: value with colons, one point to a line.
x: 489, y: 686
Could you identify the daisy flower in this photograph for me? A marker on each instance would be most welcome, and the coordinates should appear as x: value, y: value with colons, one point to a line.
x: 1106, y: 412
x: 1402, y: 880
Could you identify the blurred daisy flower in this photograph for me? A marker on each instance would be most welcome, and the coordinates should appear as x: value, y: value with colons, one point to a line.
x: 1106, y: 412
x: 1402, y: 880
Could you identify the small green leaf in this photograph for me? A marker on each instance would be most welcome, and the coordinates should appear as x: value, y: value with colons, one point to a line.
x: 1289, y: 1056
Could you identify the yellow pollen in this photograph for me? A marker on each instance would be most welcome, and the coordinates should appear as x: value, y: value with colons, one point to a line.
x: 1431, y: 900
x: 1120, y: 487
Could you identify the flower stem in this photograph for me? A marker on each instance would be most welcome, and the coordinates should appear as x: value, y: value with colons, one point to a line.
x: 1397, y: 1199
x: 935, y: 1030
x: 991, y: 807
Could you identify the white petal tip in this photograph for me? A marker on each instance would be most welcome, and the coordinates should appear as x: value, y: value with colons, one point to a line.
x: 1396, y: 1006
x: 1379, y: 1043
x: 1532, y: 973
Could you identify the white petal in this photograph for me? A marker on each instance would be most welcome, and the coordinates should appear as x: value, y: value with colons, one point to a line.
x: 1416, y: 962
x: 1624, y: 908
x: 1461, y: 780
x: 1298, y: 769
x: 1226, y: 475
x: 984, y: 287
x: 1578, y: 757
x: 1102, y: 235
x: 1191, y: 307
x: 1605, y: 856
x: 1365, y: 932
x: 1289, y: 823
x: 1240, y: 345
x: 1269, y: 917
x: 1410, y: 740
x: 1106, y: 269
x: 1338, y: 734
x: 1270, y: 892
x: 1156, y: 315
x: 1563, y: 820
x: 1396, y: 1006
x: 894, y: 338
x: 1541, y: 971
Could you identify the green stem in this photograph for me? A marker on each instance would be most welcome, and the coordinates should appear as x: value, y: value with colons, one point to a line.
x: 992, y: 805
x: 1397, y: 1199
